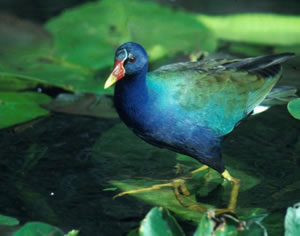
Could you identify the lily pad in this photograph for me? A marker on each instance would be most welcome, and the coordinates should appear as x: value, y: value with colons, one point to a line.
x: 160, y: 222
x: 38, y: 229
x: 294, y: 108
x: 9, y: 221
x: 70, y: 58
x: 73, y: 233
x: 205, y: 227
x: 267, y: 29
x: 12, y: 83
x: 96, y: 29
x: 21, y: 107
x: 28, y: 58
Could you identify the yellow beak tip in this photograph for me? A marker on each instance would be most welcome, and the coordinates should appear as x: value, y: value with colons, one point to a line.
x: 110, y: 81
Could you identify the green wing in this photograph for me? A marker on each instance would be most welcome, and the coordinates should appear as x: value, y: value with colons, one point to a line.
x: 220, y: 93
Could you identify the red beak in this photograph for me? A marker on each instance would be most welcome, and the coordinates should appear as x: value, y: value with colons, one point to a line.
x: 117, y: 73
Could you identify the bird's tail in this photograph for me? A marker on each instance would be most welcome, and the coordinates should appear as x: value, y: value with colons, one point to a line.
x: 267, y: 66
x: 279, y: 95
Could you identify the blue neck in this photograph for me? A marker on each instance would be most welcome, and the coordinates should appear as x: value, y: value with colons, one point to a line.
x: 131, y: 97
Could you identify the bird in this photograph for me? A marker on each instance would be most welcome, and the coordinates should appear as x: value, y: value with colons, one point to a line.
x: 189, y: 107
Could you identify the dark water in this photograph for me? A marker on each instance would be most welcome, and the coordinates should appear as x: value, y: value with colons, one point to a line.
x: 56, y: 171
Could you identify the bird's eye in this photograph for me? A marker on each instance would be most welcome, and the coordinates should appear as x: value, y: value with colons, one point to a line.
x: 131, y: 59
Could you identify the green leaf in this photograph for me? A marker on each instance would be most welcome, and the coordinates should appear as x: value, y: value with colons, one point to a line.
x: 259, y: 28
x: 9, y: 221
x: 134, y: 232
x: 106, y: 24
x: 292, y: 221
x: 208, y: 227
x: 38, y: 229
x: 294, y: 108
x: 21, y: 107
x: 73, y: 233
x: 226, y: 230
x: 28, y: 58
x: 11, y: 83
x: 205, y: 227
x: 159, y: 222
x: 254, y: 229
x: 71, y: 58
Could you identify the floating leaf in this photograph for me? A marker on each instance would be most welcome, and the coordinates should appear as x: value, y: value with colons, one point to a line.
x: 73, y: 233
x: 210, y: 225
x: 27, y: 58
x: 205, y: 227
x: 7, y: 220
x: 294, y: 108
x: 11, y: 83
x: 254, y: 227
x: 106, y: 24
x: 160, y: 222
x: 268, y: 29
x: 21, y: 107
x: 38, y: 229
x: 94, y: 31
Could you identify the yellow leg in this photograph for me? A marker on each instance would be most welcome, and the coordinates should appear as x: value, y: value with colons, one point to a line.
x: 177, y: 184
x: 202, y: 168
x: 234, y: 191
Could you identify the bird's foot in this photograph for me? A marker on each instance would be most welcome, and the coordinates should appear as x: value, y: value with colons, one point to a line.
x: 180, y: 189
x: 177, y: 184
x: 233, y: 195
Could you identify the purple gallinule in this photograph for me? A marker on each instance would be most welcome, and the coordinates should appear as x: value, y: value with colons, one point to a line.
x: 189, y: 107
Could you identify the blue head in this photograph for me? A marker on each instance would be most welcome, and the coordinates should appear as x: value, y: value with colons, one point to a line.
x: 131, y: 59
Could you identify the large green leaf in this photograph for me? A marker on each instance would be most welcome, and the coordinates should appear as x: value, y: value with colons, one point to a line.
x: 38, y: 229
x: 21, y: 107
x: 160, y: 222
x: 96, y: 29
x: 12, y: 83
x: 86, y: 37
x: 269, y: 29
x: 27, y: 58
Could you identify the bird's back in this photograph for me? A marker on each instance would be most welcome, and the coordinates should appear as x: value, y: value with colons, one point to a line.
x: 216, y: 94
